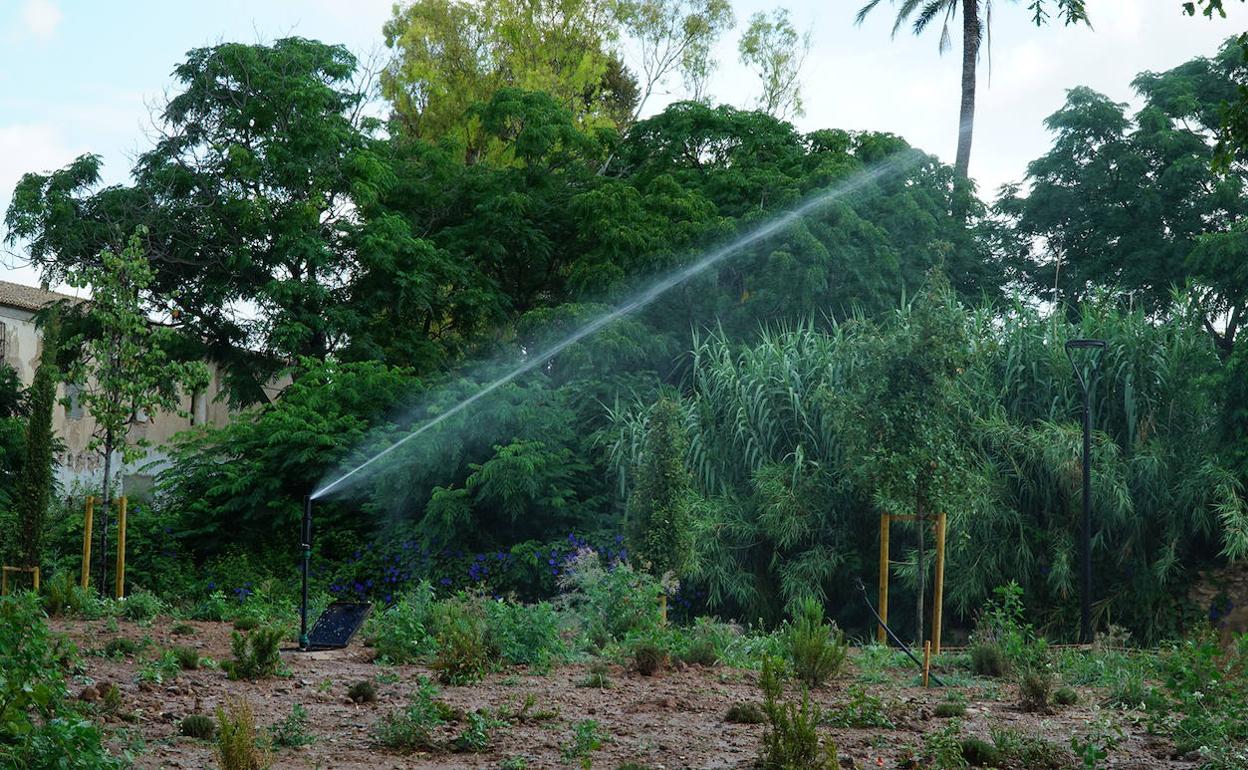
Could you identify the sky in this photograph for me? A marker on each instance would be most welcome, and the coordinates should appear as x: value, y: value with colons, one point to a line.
x: 82, y: 76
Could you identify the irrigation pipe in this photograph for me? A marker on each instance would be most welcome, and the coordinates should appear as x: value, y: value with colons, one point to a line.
x: 891, y: 635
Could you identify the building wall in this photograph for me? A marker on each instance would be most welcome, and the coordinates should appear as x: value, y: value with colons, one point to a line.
x: 80, y: 467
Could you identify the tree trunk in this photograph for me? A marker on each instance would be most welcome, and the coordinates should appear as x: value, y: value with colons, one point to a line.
x: 970, y: 58
x: 108, y: 469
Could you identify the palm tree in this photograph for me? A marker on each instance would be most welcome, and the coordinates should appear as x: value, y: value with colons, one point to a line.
x: 924, y: 12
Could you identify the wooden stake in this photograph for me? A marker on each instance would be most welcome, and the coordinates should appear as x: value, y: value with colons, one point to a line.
x: 883, y: 595
x: 939, y: 600
x: 927, y: 660
x: 86, y: 541
x: 121, y: 549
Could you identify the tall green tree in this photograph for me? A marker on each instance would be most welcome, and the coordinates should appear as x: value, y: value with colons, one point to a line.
x: 449, y: 55
x: 35, y: 485
x: 123, y: 373
x: 975, y: 17
x: 772, y: 47
x: 660, y: 507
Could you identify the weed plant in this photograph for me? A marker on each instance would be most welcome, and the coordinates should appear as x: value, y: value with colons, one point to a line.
x: 142, y: 607
x: 402, y: 633
x: 362, y: 691
x: 187, y: 657
x: 238, y: 744
x: 526, y: 635
x: 816, y: 650
x: 791, y: 737
x: 415, y: 728
x: 256, y: 654
x: 586, y: 739
x: 464, y: 650
x: 292, y: 730
x: 862, y: 710
x: 198, y: 726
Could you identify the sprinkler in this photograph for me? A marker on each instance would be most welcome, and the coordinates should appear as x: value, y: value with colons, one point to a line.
x: 304, y: 643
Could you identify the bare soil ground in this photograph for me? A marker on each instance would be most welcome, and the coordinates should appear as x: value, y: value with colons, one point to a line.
x: 671, y: 720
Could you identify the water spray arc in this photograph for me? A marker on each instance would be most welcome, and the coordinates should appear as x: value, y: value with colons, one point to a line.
x: 894, y: 165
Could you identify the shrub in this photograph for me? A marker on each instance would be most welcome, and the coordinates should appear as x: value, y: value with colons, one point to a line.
x: 292, y: 731
x: 611, y: 603
x: 526, y: 635
x: 745, y: 714
x: 1065, y: 696
x: 64, y: 596
x: 585, y: 740
x: 943, y: 748
x: 950, y: 709
x: 861, y: 710
x: 402, y: 633
x: 414, y: 728
x: 142, y: 606
x: 163, y: 668
x: 649, y: 658
x: 362, y: 691
x: 980, y: 753
x: 476, y: 736
x: 987, y: 659
x: 1035, y: 689
x: 816, y: 649
x: 1018, y: 748
x: 198, y: 726
x: 121, y: 647
x: 183, y: 629
x: 256, y: 654
x: 791, y: 738
x: 464, y: 653
x: 706, y: 640
x: 38, y: 726
x: 187, y: 657
x: 237, y: 744
x: 246, y: 623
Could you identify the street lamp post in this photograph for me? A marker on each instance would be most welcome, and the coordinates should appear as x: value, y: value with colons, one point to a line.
x: 1085, y: 610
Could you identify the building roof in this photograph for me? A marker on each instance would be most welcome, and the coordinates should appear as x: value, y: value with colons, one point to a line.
x: 30, y: 298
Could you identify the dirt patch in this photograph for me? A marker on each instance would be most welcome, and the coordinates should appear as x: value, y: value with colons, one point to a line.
x: 673, y: 720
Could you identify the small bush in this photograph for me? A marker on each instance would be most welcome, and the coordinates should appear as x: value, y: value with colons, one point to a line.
x: 862, y: 710
x: 256, y: 654
x: 816, y: 649
x: 526, y: 635
x: 1018, y: 748
x: 987, y: 659
x: 121, y: 647
x: 1065, y: 696
x: 586, y: 739
x: 292, y: 731
x: 745, y: 714
x: 943, y: 748
x: 238, y: 747
x: 183, y: 629
x: 142, y: 606
x: 649, y: 658
x: 611, y: 603
x: 415, y: 728
x: 706, y: 641
x: 362, y: 691
x: 791, y: 739
x: 403, y: 632
x: 187, y: 657
x: 63, y: 595
x: 476, y: 736
x: 950, y: 709
x: 246, y: 623
x: 1035, y: 689
x: 198, y: 726
x: 464, y: 652
x: 980, y: 753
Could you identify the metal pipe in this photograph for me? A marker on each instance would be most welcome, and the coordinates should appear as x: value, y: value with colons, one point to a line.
x: 891, y: 635
x: 304, y: 644
x: 1086, y: 633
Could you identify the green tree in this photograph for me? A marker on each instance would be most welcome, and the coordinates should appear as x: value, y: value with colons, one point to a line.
x: 675, y: 36
x: 450, y: 55
x: 124, y: 373
x: 252, y: 198
x: 775, y: 51
x: 12, y: 435
x: 35, y: 484
x: 975, y: 17
x: 660, y: 506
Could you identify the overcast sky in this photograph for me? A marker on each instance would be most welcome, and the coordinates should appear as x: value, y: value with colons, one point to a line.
x: 81, y: 75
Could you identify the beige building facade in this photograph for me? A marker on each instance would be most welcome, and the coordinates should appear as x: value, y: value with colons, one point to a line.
x: 21, y: 345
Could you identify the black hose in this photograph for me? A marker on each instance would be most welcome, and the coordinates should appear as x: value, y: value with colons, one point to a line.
x: 890, y: 633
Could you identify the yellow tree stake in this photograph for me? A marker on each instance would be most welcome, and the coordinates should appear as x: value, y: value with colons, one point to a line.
x: 121, y: 548
x: 938, y: 601
x: 927, y: 660
x: 883, y: 596
x: 86, y: 541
